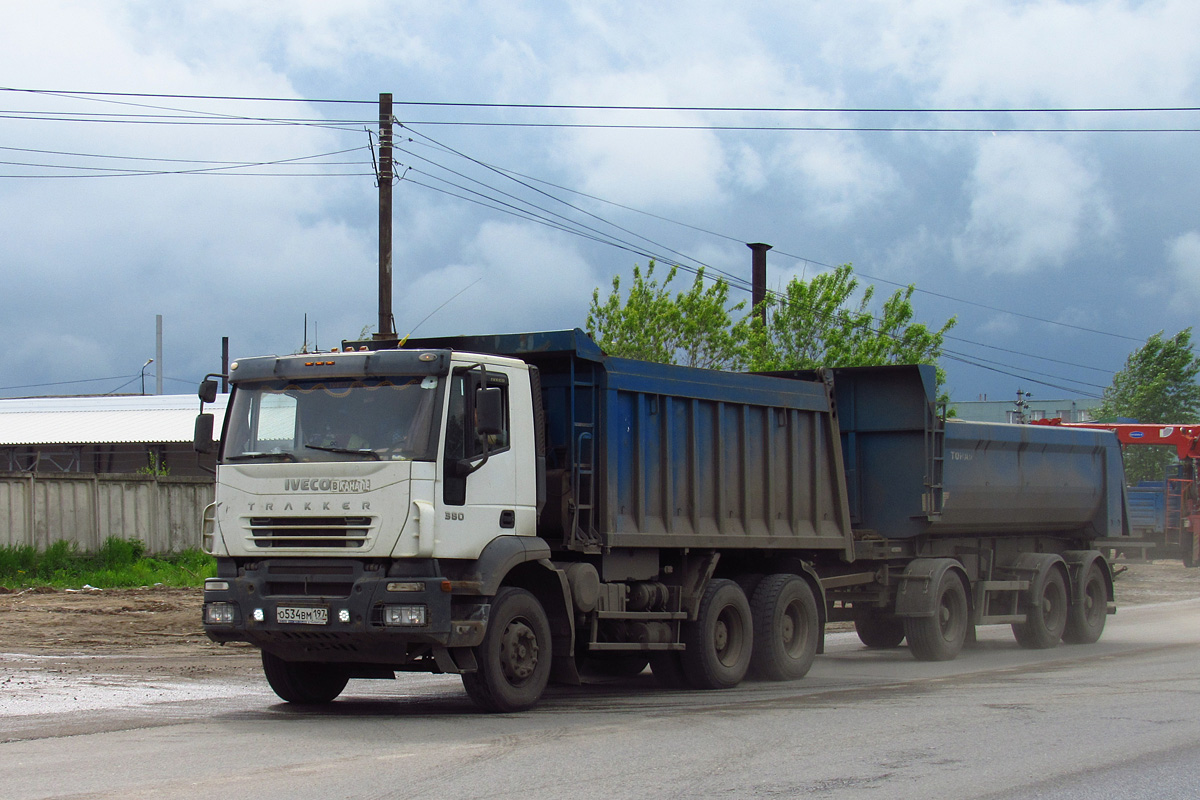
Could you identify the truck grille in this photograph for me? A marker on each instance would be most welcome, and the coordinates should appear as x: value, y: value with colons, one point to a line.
x: 309, y: 579
x: 336, y: 532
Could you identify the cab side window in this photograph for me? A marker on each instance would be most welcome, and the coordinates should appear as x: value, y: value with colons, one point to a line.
x: 463, y: 439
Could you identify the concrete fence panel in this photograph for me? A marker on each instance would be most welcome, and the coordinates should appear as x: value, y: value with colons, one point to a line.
x: 164, y: 512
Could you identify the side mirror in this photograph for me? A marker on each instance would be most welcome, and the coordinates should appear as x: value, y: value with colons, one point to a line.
x: 204, y: 433
x: 489, y: 411
x: 208, y: 390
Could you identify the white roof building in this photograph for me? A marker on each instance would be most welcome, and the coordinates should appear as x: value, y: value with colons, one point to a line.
x: 102, y: 420
x: 43, y: 429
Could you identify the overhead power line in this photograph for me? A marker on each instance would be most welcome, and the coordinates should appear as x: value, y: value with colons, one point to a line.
x: 793, y: 128
x: 564, y: 223
x: 817, y: 263
x: 606, y: 107
x: 508, y: 202
x: 185, y: 119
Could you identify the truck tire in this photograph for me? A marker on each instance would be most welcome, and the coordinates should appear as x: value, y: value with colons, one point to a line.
x: 304, y: 682
x: 1086, y: 617
x: 514, y: 657
x: 878, y: 629
x: 720, y: 641
x: 786, y: 625
x: 1044, y: 624
x: 940, y: 636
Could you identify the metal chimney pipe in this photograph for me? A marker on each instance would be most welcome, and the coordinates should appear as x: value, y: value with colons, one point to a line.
x: 758, y: 279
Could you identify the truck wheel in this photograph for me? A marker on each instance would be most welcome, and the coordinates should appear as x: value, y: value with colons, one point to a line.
x: 514, y: 657
x: 304, y: 682
x: 1086, y: 617
x: 878, y: 629
x: 940, y: 637
x: 786, y: 625
x: 1044, y: 625
x: 720, y: 641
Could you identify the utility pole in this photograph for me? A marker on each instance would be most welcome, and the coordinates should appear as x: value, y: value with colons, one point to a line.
x: 385, y: 329
x: 158, y: 355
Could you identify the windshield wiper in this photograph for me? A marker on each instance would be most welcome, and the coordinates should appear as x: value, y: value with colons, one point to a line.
x: 347, y: 450
x: 290, y: 456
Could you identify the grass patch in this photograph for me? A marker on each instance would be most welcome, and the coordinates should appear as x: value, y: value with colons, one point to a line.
x: 118, y: 563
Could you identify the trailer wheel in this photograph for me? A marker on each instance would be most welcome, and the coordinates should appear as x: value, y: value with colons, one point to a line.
x: 719, y: 643
x: 786, y: 625
x: 940, y: 637
x: 1086, y: 617
x: 1044, y: 624
x: 304, y: 682
x: 878, y: 629
x: 514, y: 657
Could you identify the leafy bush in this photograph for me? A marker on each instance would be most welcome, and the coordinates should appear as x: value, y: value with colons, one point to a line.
x: 120, y: 552
x: 117, y: 563
x: 58, y: 558
x: 21, y: 558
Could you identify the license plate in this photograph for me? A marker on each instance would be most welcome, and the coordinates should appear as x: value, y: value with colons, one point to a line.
x: 303, y: 615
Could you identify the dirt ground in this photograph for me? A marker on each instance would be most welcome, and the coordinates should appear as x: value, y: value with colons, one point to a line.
x: 156, y: 632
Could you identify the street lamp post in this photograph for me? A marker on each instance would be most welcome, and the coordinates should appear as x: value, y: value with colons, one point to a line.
x: 149, y: 361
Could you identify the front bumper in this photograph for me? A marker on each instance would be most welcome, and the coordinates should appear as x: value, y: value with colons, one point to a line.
x: 349, y: 622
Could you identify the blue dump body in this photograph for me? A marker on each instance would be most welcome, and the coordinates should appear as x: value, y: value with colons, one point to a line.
x: 654, y: 455
x: 906, y: 478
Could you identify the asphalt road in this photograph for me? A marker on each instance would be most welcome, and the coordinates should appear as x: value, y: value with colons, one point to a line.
x: 1117, y: 719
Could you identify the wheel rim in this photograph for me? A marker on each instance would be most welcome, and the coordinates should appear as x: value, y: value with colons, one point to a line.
x: 518, y: 651
x: 1094, y: 601
x: 1054, y: 605
x: 951, y: 612
x: 792, y: 629
x: 728, y: 637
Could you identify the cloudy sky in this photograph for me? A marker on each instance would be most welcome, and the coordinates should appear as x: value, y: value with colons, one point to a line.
x: 1030, y: 166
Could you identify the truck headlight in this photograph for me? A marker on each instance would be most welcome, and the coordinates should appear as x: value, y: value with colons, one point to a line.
x: 404, y: 615
x: 220, y: 613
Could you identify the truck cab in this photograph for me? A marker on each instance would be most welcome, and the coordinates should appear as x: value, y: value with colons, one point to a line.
x: 359, y: 495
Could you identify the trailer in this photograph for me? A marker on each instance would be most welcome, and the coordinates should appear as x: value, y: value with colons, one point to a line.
x: 522, y: 508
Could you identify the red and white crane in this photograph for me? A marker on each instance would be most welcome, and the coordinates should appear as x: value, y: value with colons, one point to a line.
x: 1186, y: 441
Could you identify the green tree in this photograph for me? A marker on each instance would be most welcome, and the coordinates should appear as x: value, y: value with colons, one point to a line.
x: 810, y: 324
x: 1157, y: 385
x: 694, y: 328
x: 817, y: 323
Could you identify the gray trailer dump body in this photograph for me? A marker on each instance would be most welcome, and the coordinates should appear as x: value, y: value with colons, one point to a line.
x: 910, y: 473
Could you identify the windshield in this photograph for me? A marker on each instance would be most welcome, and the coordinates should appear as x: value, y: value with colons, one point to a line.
x: 386, y: 419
